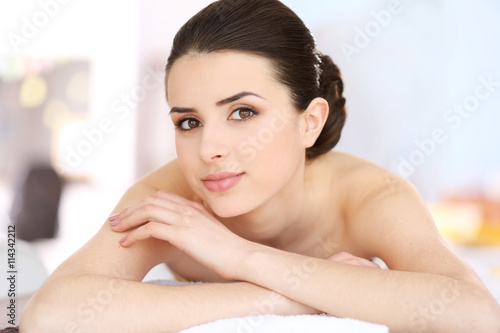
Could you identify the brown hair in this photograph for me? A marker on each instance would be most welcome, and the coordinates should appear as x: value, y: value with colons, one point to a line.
x: 270, y: 29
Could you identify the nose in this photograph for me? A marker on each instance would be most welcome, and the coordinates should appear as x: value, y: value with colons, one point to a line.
x: 214, y: 144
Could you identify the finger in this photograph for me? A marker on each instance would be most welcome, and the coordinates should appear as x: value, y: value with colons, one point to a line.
x: 360, y: 262
x: 148, y: 212
x: 155, y: 199
x: 340, y: 256
x: 367, y: 263
x: 149, y: 230
x: 183, y: 205
x: 374, y: 264
x: 184, y: 202
x: 349, y: 259
x: 162, y: 198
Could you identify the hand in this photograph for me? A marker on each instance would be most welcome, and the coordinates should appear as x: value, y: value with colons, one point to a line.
x: 349, y: 259
x: 291, y: 307
x: 188, y: 226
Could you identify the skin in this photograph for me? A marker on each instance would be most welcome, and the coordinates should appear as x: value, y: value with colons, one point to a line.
x: 296, y: 235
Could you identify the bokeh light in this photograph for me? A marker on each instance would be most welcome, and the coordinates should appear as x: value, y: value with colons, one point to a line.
x: 55, y: 113
x: 33, y: 91
x: 78, y: 87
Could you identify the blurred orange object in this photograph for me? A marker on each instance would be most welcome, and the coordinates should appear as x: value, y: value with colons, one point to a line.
x: 488, y: 234
x: 468, y: 221
x: 490, y: 209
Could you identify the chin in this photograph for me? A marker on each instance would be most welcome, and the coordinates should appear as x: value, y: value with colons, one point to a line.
x: 225, y: 207
x: 227, y: 212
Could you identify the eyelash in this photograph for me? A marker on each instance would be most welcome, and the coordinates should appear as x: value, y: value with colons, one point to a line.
x: 253, y: 112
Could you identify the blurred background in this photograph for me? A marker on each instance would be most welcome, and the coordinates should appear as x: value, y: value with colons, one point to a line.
x: 83, y: 113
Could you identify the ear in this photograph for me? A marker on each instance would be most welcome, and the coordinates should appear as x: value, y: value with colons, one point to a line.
x: 314, y: 118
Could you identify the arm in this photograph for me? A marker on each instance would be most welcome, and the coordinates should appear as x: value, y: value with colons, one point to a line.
x: 427, y: 289
x: 94, y: 303
x: 99, y: 285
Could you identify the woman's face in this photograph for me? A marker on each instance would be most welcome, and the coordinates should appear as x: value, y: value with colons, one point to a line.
x: 239, y: 141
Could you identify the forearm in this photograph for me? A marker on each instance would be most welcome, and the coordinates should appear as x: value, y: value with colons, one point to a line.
x: 102, y: 304
x: 404, y: 301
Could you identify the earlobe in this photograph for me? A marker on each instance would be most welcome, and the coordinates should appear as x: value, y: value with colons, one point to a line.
x: 315, y: 115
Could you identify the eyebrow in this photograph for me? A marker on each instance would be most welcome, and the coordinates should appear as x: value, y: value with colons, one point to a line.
x: 219, y: 103
x: 237, y: 97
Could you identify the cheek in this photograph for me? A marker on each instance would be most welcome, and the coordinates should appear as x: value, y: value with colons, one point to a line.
x: 186, y: 155
x: 180, y: 148
x: 276, y: 151
x: 273, y: 135
x: 280, y: 137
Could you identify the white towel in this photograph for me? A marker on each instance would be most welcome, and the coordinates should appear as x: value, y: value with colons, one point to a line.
x: 285, y: 324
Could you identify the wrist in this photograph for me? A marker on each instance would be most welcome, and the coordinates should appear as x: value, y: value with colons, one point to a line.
x: 244, y: 261
x: 255, y: 267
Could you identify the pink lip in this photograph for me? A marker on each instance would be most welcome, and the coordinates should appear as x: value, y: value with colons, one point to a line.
x: 222, y: 181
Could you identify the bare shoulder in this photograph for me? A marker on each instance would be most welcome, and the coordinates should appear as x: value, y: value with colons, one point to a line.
x: 103, y: 255
x: 365, y: 190
x: 368, y: 191
x: 386, y: 217
x: 359, y: 180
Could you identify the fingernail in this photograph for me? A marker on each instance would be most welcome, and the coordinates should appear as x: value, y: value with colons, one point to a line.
x: 123, y: 239
x: 115, y: 223
x: 113, y: 217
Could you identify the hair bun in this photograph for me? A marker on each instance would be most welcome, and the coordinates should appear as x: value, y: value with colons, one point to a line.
x: 331, y: 88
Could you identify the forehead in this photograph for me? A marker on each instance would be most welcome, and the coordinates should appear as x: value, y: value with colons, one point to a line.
x: 216, y: 75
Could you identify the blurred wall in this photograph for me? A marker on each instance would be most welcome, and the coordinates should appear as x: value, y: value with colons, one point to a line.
x: 421, y: 81
x: 104, y: 33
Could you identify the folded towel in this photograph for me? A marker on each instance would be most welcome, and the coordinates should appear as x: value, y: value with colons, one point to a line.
x: 286, y: 324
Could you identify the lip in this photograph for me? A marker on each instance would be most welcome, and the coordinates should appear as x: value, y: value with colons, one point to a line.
x: 222, y: 181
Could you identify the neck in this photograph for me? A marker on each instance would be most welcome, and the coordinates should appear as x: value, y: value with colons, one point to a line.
x: 280, y: 220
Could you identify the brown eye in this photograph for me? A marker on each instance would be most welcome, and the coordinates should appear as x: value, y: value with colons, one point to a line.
x: 192, y: 123
x: 243, y: 114
x: 188, y: 124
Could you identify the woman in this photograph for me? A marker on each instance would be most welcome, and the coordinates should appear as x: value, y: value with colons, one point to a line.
x: 257, y: 198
